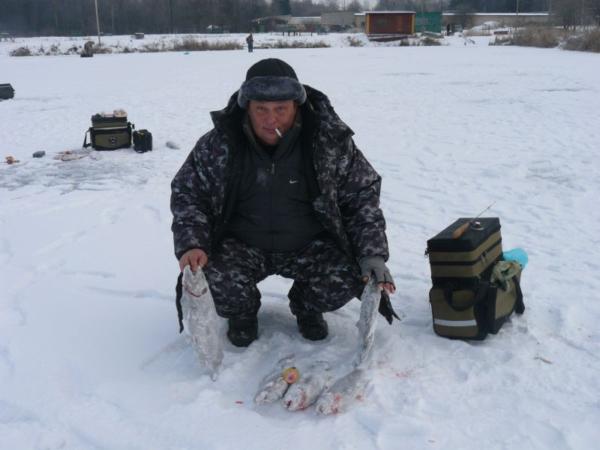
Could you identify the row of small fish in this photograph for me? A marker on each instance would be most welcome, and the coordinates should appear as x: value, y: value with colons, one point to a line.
x: 310, y: 386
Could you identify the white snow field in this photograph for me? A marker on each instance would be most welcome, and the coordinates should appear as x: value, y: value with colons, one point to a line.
x: 90, y: 355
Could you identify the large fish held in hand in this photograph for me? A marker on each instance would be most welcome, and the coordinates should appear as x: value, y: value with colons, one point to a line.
x: 351, y: 387
x: 369, y: 304
x: 201, y: 320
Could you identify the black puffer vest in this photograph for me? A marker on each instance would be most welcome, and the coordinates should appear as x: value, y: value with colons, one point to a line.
x: 273, y: 209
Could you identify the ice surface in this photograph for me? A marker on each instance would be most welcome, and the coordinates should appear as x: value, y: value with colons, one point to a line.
x: 87, y: 271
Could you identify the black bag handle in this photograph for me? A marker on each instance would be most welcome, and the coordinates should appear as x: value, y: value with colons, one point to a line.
x: 519, y: 305
x: 85, y: 143
x: 480, y: 294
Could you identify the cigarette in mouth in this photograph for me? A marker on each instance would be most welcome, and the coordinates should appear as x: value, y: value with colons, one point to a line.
x: 278, y: 133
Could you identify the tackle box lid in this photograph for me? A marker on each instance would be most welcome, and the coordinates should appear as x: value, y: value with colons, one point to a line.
x: 103, y: 118
x: 472, y: 238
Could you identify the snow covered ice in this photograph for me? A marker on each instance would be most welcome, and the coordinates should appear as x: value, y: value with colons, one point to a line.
x: 90, y: 354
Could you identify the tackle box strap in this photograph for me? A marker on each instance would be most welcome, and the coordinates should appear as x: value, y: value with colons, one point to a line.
x: 85, y: 142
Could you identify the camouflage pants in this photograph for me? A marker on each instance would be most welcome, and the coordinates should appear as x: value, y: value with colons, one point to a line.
x: 325, y: 278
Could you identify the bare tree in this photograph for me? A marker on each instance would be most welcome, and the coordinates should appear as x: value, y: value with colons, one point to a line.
x: 595, y: 11
x: 77, y: 17
x: 566, y: 12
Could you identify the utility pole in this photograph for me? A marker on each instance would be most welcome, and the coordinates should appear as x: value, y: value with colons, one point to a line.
x: 112, y: 17
x: 171, y: 16
x: 97, y: 22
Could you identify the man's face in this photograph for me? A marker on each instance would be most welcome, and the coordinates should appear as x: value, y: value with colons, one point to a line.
x: 266, y: 116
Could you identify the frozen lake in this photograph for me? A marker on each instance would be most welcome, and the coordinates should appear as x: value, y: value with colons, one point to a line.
x: 90, y: 355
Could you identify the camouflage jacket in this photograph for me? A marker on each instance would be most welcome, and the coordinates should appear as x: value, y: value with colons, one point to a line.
x: 345, y: 187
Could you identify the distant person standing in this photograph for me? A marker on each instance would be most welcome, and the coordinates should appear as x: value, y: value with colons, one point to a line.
x: 250, y: 42
x: 88, y: 49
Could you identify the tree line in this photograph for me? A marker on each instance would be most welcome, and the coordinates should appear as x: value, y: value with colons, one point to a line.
x: 78, y: 17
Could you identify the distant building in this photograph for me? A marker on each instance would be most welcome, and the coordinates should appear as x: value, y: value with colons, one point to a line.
x: 428, y: 21
x: 299, y: 24
x: 359, y: 21
x: 286, y: 23
x: 338, y: 21
x: 389, y: 23
x: 458, y: 20
x: 270, y: 23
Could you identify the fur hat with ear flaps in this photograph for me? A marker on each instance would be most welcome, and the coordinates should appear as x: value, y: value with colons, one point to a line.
x: 271, y: 80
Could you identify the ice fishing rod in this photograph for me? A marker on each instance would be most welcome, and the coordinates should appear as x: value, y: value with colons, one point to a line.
x: 471, y: 223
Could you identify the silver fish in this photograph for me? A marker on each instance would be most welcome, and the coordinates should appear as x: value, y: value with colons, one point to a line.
x: 274, y: 386
x: 272, y: 390
x: 346, y: 389
x: 201, y: 320
x: 307, y: 390
x: 343, y: 393
x: 369, y: 304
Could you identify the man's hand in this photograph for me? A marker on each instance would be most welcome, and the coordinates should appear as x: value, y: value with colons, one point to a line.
x: 375, y: 265
x: 194, y: 258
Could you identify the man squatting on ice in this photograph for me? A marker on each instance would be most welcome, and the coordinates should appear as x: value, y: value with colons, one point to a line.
x: 279, y: 187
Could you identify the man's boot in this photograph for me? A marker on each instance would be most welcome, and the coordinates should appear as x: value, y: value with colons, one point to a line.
x: 242, y: 330
x: 312, y: 326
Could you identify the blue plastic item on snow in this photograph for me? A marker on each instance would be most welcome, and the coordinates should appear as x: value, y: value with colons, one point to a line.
x: 516, y: 254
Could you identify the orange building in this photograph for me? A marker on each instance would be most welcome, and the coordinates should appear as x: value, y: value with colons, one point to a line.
x: 389, y: 23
